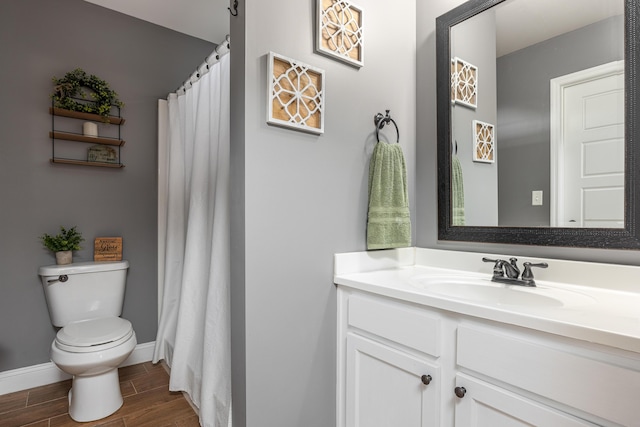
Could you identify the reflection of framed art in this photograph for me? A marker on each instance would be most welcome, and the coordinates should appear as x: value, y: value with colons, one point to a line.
x: 296, y: 95
x: 484, y: 143
x: 339, y: 31
x: 464, y: 83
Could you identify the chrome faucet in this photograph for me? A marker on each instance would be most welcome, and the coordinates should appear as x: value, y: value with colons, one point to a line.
x: 509, y: 273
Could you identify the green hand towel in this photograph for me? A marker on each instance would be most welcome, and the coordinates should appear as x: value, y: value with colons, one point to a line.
x: 457, y: 192
x: 389, y: 222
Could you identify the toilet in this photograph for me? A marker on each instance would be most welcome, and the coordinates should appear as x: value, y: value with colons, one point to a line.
x: 85, y: 300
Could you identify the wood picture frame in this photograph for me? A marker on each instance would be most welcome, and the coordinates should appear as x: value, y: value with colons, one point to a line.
x: 339, y: 31
x: 296, y: 94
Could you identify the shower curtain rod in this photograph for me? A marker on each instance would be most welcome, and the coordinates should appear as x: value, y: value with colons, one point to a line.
x: 220, y: 50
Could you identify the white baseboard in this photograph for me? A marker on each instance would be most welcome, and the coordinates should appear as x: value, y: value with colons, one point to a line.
x: 48, y: 373
x: 142, y: 353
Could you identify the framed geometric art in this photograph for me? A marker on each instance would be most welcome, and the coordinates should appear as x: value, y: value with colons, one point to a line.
x: 339, y: 31
x: 464, y: 83
x: 484, y: 142
x: 296, y: 94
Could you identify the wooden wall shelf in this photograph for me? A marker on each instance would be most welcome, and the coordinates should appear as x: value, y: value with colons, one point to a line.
x: 89, y: 139
x: 114, y: 120
x: 79, y: 137
x: 84, y: 163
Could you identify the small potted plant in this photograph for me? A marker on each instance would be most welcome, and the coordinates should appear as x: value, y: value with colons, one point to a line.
x: 63, y: 244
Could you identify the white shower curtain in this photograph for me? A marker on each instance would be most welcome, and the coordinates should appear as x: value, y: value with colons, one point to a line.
x: 194, y: 326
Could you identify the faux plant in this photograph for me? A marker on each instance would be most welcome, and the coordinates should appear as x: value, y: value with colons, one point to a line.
x: 66, y: 240
x: 73, y: 87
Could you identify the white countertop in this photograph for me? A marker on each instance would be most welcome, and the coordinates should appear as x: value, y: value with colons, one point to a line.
x: 602, y: 304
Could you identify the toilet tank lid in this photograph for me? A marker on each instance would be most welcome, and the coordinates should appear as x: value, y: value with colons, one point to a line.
x: 82, y: 267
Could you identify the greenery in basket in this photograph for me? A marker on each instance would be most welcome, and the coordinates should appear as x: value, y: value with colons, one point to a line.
x: 66, y: 240
x: 73, y: 87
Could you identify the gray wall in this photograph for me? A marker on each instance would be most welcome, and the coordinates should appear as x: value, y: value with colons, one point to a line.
x: 303, y: 198
x: 474, y: 41
x: 426, y: 167
x: 523, y: 112
x: 40, y: 39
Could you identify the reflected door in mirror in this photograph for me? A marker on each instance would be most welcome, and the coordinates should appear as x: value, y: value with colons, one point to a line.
x: 588, y: 148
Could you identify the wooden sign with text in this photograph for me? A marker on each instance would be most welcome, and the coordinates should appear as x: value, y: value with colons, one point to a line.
x: 107, y: 249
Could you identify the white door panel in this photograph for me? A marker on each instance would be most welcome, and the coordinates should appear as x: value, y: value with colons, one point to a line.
x: 384, y: 387
x: 590, y: 152
x: 485, y: 405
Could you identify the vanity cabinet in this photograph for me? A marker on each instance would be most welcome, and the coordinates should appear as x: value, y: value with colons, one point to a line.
x: 387, y: 387
x: 486, y: 405
x: 482, y: 373
x: 390, y: 375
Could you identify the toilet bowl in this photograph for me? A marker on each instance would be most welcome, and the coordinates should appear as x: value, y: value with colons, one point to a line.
x: 85, y: 300
x: 91, y: 351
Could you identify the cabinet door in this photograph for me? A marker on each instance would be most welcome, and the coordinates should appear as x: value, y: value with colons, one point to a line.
x: 384, y: 387
x: 485, y: 405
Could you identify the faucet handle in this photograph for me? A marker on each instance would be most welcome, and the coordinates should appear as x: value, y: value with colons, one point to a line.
x: 527, y: 274
x: 497, y: 267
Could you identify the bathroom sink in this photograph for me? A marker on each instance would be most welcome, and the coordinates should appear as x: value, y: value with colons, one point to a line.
x: 483, y: 290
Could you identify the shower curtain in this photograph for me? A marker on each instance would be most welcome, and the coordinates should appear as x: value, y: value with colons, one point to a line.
x: 194, y: 325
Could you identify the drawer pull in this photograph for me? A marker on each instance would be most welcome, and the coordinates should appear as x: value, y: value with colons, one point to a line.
x: 426, y: 379
x: 460, y: 391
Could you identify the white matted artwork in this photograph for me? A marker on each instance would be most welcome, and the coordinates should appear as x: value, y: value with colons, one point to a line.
x: 484, y: 142
x: 296, y: 94
x: 464, y: 83
x: 339, y: 31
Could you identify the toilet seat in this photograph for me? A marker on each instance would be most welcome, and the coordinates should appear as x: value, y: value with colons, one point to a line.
x: 94, y: 334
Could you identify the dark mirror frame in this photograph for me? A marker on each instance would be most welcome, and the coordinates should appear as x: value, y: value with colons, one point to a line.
x: 609, y: 238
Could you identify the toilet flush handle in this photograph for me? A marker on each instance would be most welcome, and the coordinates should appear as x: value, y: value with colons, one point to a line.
x: 61, y: 278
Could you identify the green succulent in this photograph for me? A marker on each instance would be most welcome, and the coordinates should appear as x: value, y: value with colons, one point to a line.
x: 66, y: 240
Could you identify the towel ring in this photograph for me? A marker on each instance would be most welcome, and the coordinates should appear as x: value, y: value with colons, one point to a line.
x: 380, y: 121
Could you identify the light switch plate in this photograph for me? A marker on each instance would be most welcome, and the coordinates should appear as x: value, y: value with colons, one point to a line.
x: 536, y: 198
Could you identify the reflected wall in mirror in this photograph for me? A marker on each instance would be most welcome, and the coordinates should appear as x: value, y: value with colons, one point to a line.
x: 561, y: 95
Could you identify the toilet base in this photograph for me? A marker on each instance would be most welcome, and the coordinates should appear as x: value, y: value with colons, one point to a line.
x: 94, y: 397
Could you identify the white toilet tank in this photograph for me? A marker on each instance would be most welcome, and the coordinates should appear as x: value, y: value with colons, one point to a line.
x: 84, y: 290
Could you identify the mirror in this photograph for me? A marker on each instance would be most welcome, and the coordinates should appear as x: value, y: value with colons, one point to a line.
x: 504, y: 119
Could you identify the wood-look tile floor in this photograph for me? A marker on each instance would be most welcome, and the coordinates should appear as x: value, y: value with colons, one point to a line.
x: 147, y: 402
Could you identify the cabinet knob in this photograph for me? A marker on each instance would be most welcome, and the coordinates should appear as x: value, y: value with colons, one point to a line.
x: 460, y: 391
x: 426, y: 379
